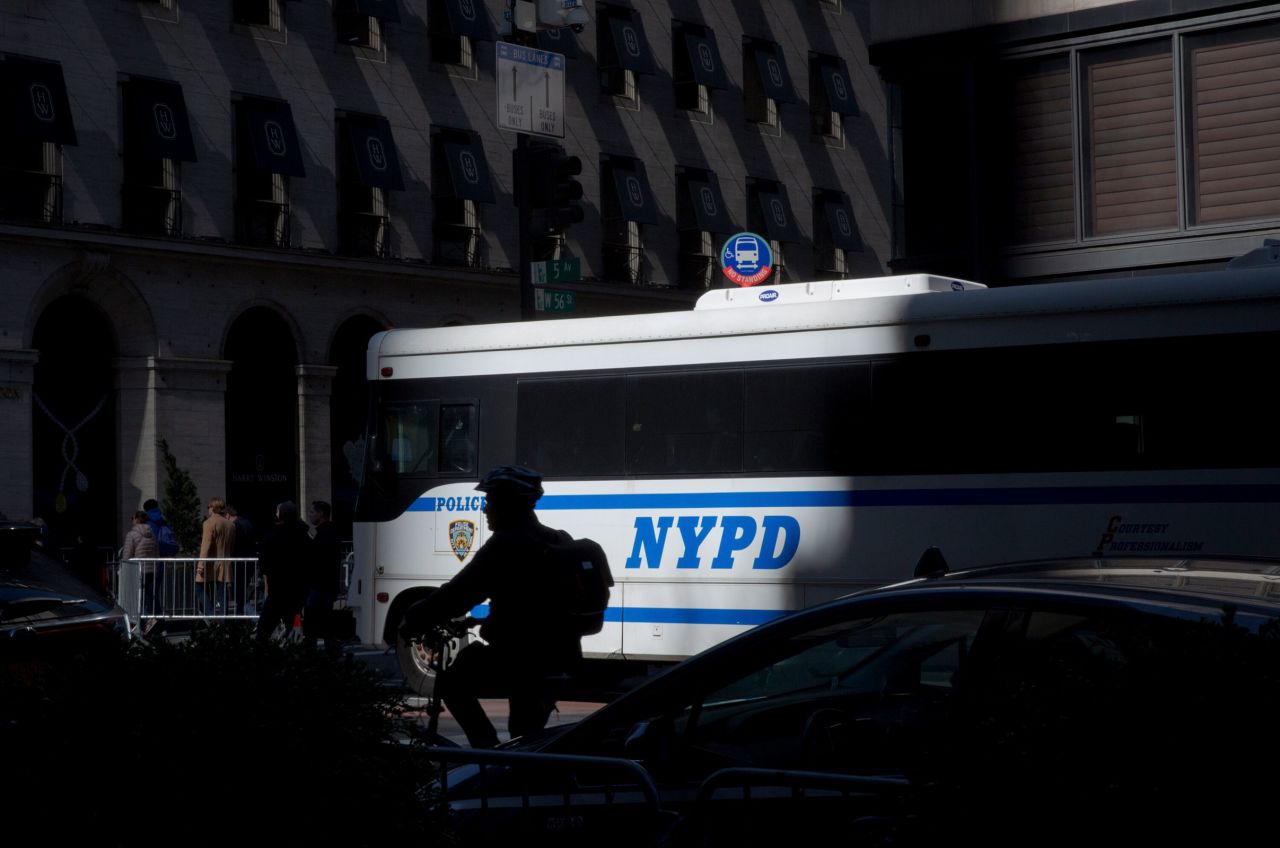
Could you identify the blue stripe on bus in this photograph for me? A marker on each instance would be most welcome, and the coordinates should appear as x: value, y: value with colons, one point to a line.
x: 674, y: 615
x: 1029, y: 496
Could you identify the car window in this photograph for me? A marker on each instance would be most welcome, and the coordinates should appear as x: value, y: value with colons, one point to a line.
x: 835, y: 690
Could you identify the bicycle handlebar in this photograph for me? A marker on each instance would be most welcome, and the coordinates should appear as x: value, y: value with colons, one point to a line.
x: 446, y: 630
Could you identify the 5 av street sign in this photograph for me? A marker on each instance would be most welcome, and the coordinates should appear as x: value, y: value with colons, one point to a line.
x: 557, y: 271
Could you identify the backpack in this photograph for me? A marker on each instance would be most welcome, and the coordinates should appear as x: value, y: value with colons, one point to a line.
x: 581, y: 580
x: 166, y: 540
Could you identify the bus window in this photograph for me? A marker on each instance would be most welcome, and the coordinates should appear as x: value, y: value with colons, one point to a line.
x: 572, y: 426
x: 458, y: 438
x: 806, y: 417
x: 684, y: 423
x: 408, y: 438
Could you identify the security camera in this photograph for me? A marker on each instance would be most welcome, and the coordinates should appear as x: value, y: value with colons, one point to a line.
x: 577, y: 27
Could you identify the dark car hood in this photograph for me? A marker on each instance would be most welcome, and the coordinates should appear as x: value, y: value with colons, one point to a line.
x: 40, y: 591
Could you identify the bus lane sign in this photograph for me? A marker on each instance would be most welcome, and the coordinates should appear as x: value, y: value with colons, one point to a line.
x: 530, y: 90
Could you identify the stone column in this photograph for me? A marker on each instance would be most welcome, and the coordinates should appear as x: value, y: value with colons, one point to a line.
x: 138, y: 464
x: 17, y: 373
x: 190, y: 413
x: 315, y: 471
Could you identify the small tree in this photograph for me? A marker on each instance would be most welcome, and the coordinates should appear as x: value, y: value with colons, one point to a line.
x: 180, y: 502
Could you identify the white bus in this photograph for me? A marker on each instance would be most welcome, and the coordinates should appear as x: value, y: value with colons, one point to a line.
x: 779, y: 446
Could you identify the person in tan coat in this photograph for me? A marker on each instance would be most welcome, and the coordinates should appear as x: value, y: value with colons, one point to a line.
x: 213, y: 574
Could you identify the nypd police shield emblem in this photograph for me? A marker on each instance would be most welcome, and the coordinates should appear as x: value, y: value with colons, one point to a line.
x: 461, y: 535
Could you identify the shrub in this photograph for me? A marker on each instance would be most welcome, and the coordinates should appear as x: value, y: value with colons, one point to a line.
x: 215, y: 739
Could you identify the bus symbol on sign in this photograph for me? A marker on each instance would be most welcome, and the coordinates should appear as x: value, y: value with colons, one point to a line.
x: 166, y: 126
x: 42, y: 102
x: 746, y: 259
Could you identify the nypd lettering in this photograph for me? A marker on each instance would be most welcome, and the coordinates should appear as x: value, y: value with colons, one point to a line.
x: 770, y: 542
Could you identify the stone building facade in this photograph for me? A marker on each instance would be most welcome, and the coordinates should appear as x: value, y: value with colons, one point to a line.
x: 207, y: 207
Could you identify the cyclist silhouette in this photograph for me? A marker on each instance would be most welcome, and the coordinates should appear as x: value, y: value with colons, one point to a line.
x: 525, y: 642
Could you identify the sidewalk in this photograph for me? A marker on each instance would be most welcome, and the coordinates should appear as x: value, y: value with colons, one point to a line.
x: 566, y: 712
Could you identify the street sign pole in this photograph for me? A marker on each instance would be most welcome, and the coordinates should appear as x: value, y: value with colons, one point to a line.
x: 525, y: 211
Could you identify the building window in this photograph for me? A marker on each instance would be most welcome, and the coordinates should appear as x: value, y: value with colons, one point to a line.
x: 32, y: 176
x: 1160, y: 146
x: 1042, y: 202
x: 765, y: 81
x: 769, y: 214
x: 259, y: 13
x: 460, y: 183
x: 834, y: 233
x: 368, y: 170
x: 159, y: 10
x: 696, y: 67
x: 157, y: 139
x: 267, y: 154
x: 1233, y: 109
x: 1130, y: 160
x: 830, y: 97
x: 701, y: 216
x: 360, y: 22
x: 454, y: 27
x: 35, y: 97
x: 622, y: 50
x: 627, y: 205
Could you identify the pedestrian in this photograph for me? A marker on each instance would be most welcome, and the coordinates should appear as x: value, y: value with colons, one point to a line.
x: 245, y: 551
x: 166, y: 545
x: 213, y: 571
x: 323, y: 579
x: 525, y: 643
x: 282, y: 555
x: 140, y: 543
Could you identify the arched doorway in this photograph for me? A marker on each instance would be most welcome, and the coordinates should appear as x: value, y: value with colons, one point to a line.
x: 262, y: 415
x: 348, y: 408
x: 73, y: 427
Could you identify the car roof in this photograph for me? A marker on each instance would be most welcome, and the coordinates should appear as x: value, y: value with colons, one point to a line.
x: 1208, y: 579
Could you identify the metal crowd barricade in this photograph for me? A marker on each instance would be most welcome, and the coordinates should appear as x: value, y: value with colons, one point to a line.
x: 167, y: 588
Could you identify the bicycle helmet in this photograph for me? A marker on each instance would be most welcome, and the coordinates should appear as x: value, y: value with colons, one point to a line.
x: 512, y: 480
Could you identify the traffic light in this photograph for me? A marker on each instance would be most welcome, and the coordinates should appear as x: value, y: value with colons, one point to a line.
x: 554, y: 14
x: 547, y: 174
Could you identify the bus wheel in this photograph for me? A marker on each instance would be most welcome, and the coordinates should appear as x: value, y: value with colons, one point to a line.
x: 416, y: 661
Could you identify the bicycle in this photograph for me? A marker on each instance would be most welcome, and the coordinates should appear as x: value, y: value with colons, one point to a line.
x: 440, y: 643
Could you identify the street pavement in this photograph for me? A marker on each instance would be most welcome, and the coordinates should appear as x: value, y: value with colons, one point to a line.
x: 384, y: 661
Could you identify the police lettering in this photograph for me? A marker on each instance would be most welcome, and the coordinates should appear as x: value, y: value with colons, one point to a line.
x: 466, y: 503
x: 774, y: 540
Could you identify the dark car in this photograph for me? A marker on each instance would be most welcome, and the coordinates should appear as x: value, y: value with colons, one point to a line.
x: 46, y: 614
x: 1051, y: 702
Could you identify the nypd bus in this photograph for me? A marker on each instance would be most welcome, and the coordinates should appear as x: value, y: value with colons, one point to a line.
x: 779, y: 446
